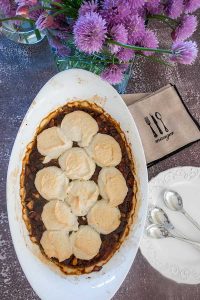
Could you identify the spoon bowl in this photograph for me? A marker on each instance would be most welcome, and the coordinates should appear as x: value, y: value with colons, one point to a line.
x: 157, y: 232
x: 173, y: 200
x: 157, y: 215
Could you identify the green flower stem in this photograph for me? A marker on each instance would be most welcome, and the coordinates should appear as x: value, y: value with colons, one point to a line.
x: 43, y: 7
x: 58, y: 4
x: 167, y: 23
x: 18, y: 18
x: 100, y: 61
x: 162, y: 18
x: 155, y: 59
x: 38, y: 35
x: 138, y: 48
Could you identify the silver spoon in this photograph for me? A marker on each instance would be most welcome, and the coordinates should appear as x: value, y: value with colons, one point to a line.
x: 159, y: 232
x: 174, y: 202
x: 157, y: 215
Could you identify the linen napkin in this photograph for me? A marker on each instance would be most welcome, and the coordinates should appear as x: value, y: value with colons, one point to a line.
x: 164, y: 123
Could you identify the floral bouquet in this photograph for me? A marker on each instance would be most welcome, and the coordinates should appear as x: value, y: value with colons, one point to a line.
x: 105, y: 36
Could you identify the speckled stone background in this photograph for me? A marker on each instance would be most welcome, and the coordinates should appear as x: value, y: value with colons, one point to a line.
x: 23, y: 71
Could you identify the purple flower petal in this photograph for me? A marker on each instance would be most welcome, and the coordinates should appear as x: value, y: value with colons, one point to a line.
x: 154, y: 6
x: 191, y: 5
x: 45, y: 21
x: 7, y: 8
x: 174, y: 8
x: 88, y: 7
x: 35, y: 13
x: 124, y: 67
x: 63, y: 51
x: 118, y: 33
x: 135, y: 4
x: 90, y: 33
x: 149, y: 40
x: 54, y: 42
x: 26, y: 2
x: 113, y: 74
x: 125, y: 54
x: 115, y: 11
x: 136, y: 28
x: 184, y: 52
x: 23, y: 11
x: 186, y: 28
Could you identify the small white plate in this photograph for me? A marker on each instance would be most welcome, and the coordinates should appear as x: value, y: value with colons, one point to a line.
x: 175, y: 259
x: 66, y: 86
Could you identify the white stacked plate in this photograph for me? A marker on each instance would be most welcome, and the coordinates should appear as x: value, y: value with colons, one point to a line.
x: 175, y: 259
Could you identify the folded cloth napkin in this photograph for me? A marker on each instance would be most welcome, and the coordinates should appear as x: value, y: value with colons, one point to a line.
x: 164, y: 123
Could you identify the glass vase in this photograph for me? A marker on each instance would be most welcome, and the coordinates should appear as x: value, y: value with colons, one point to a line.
x: 67, y: 57
x: 24, y: 33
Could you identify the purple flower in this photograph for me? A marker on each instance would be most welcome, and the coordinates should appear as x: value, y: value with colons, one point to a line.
x: 113, y: 74
x: 62, y: 34
x: 62, y: 24
x: 7, y: 8
x: 125, y: 54
x: 184, y: 52
x: 135, y: 4
x: 45, y: 21
x: 142, y: 12
x: 35, y: 13
x: 191, y: 5
x: 22, y: 11
x: 186, y: 28
x: 26, y: 2
x: 118, y: 33
x: 88, y: 7
x: 136, y: 28
x: 124, y: 67
x: 115, y: 11
x: 54, y: 42
x: 174, y: 8
x: 154, y: 6
x: 90, y: 33
x: 149, y: 40
x: 63, y: 51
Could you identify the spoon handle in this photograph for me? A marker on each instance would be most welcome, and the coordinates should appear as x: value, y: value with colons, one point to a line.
x: 181, y: 235
x: 196, y: 244
x: 190, y: 219
x: 178, y: 233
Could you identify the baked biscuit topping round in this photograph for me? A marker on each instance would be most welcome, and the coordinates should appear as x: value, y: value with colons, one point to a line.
x: 77, y: 164
x: 81, y: 196
x: 57, y: 215
x: 51, y: 183
x: 86, y: 242
x: 104, y: 150
x: 80, y: 127
x: 52, y: 142
x: 103, y: 217
x: 56, y: 244
x: 112, y: 185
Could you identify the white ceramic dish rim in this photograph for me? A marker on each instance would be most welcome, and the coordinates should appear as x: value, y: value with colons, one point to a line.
x: 66, y: 86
